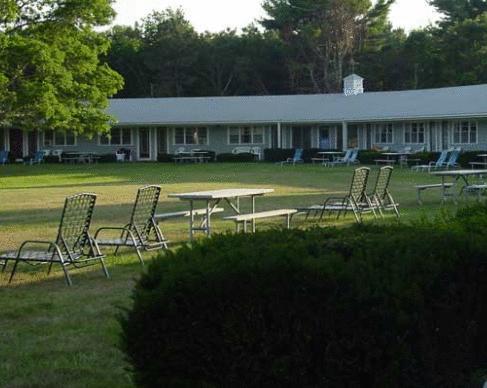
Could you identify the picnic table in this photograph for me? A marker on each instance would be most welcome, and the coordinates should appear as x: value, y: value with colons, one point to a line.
x: 323, y: 156
x: 458, y: 175
x: 483, y: 163
x: 392, y: 157
x: 212, y: 198
x: 194, y: 156
x: 80, y: 157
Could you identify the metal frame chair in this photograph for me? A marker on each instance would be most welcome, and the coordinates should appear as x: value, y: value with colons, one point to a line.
x: 73, y: 245
x: 355, y: 201
x: 433, y: 165
x: 381, y: 198
x: 142, y: 232
x: 297, y: 158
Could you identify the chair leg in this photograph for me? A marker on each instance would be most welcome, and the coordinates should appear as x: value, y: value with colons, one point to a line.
x: 14, y: 269
x: 141, y: 260
x: 66, y: 275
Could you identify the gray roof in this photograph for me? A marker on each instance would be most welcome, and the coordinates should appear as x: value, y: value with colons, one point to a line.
x: 453, y: 102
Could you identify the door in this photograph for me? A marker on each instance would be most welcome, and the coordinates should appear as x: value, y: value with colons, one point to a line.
x: 144, y: 144
x: 32, y: 143
x: 162, y: 141
x: 16, y: 143
x: 302, y: 137
x: 324, y: 138
x: 353, y: 136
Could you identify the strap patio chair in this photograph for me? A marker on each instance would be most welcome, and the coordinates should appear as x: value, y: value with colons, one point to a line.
x: 38, y: 158
x: 297, y: 158
x: 142, y: 232
x: 350, y: 157
x: 452, y: 161
x: 355, y: 201
x: 442, y: 159
x: 73, y: 245
x: 381, y: 198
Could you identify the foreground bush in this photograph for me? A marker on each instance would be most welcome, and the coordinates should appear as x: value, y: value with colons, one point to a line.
x: 373, y: 306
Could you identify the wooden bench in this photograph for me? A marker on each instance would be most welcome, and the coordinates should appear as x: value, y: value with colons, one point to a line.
x: 421, y: 188
x: 245, y: 218
x: 185, y: 213
x: 385, y: 161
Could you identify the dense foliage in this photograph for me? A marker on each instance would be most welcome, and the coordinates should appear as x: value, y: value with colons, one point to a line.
x: 371, y: 306
x: 51, y: 75
x: 303, y: 46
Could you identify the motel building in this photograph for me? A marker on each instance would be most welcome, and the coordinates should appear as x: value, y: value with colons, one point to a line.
x: 435, y: 119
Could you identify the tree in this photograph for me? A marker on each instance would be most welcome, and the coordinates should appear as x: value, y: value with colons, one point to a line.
x: 459, y: 10
x: 49, y: 65
x: 170, y: 53
x: 322, y: 36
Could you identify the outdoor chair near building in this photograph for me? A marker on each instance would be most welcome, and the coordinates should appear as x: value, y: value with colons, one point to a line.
x: 356, y: 201
x: 3, y: 157
x: 73, y: 246
x: 350, y: 157
x: 452, y: 161
x: 440, y: 163
x: 297, y: 158
x: 256, y: 151
x: 38, y: 158
x: 381, y: 198
x: 142, y: 232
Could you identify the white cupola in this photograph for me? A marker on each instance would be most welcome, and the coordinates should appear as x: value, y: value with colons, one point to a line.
x: 353, y: 85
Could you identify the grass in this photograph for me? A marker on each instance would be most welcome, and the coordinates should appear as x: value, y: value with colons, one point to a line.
x: 53, y: 335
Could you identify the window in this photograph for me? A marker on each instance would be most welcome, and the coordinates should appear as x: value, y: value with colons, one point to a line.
x: 2, y: 139
x: 117, y: 136
x: 190, y: 136
x: 383, y: 133
x: 245, y: 135
x: 57, y: 138
x: 465, y: 132
x: 414, y: 133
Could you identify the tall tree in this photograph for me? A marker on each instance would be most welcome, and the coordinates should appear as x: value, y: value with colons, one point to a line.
x: 323, y: 35
x: 50, y: 65
x: 170, y: 53
x: 459, y: 10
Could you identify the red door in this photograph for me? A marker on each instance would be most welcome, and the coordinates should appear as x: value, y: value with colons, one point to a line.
x: 16, y: 143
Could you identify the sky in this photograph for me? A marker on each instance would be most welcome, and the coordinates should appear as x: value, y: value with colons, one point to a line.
x: 217, y: 15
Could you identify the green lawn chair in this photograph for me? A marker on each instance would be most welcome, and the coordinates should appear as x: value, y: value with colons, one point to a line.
x: 381, y: 198
x: 142, y: 232
x: 356, y: 201
x: 73, y: 245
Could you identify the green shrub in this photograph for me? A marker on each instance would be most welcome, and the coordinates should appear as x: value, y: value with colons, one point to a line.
x: 277, y: 154
x: 369, y: 306
x: 165, y: 158
x: 236, y: 158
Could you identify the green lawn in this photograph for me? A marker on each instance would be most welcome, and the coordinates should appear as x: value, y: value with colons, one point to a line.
x: 53, y: 335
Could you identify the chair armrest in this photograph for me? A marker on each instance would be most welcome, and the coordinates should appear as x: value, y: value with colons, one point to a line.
x: 120, y: 228
x: 39, y: 242
x: 329, y: 199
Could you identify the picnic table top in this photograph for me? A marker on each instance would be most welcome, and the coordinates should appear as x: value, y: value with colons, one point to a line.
x: 220, y: 194
x: 396, y: 153
x: 459, y: 172
x: 330, y: 152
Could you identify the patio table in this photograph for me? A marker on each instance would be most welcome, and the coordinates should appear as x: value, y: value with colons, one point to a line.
x: 212, y: 198
x: 463, y: 175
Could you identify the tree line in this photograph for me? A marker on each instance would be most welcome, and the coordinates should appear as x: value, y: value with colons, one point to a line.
x: 301, y: 46
x: 57, y: 70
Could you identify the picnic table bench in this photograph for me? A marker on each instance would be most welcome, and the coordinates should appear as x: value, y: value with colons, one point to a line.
x: 421, y: 188
x: 243, y: 219
x: 186, y: 213
x: 385, y: 161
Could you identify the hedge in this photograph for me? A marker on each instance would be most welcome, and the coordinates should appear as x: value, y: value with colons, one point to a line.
x: 370, y: 306
x: 243, y: 157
